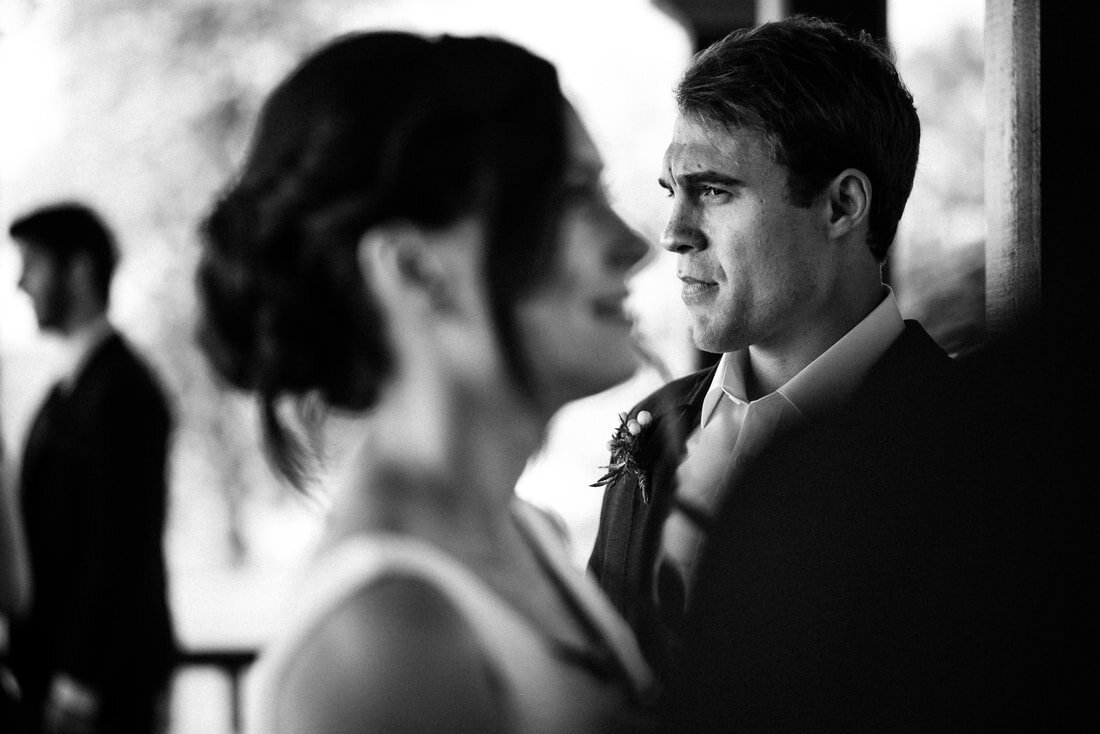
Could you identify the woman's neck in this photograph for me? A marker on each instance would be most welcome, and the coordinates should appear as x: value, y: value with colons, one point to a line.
x: 439, y: 461
x: 440, y: 464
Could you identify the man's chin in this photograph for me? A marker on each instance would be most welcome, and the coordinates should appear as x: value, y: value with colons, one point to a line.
x: 704, y: 342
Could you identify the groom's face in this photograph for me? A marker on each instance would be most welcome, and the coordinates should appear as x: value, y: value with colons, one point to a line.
x: 754, y: 268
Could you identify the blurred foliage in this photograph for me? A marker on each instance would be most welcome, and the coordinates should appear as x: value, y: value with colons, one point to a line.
x: 938, y: 262
x: 144, y: 109
x: 159, y: 100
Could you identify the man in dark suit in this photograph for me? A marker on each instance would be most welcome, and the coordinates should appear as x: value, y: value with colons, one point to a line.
x: 790, y: 564
x: 95, y: 650
x: 874, y: 574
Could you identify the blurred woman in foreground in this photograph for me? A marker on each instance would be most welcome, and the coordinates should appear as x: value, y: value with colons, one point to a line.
x: 420, y: 232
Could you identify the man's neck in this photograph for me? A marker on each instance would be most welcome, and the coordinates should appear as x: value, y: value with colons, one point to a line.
x: 770, y: 366
x: 81, y: 341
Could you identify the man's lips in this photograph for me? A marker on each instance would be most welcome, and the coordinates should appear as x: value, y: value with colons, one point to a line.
x: 692, y: 288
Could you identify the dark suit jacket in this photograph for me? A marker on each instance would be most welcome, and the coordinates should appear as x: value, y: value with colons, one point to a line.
x: 626, y: 542
x: 94, y: 499
x: 849, y: 582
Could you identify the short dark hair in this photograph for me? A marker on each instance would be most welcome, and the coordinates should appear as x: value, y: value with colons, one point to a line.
x: 826, y: 100
x: 67, y: 229
x: 373, y: 128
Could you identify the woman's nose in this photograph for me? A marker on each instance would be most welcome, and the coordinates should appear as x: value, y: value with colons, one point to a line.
x: 628, y: 247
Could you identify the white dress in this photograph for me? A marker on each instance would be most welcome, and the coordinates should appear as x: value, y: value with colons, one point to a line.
x: 545, y: 690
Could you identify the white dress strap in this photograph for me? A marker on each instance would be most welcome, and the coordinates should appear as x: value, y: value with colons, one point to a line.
x: 538, y: 681
x: 608, y: 624
x: 344, y: 571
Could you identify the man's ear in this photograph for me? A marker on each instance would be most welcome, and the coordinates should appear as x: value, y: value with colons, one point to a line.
x: 403, y: 268
x: 849, y: 201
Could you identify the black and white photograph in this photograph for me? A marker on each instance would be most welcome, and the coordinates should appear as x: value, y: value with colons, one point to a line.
x: 555, y: 366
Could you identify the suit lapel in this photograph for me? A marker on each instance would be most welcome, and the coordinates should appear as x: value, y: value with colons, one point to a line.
x: 629, y: 527
x: 676, y: 424
x: 42, y: 433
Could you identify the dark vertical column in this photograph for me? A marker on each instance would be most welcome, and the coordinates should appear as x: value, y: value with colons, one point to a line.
x: 710, y: 20
x: 1069, y: 199
x: 1070, y: 192
x: 1041, y: 190
x: 1042, y: 194
x: 855, y: 15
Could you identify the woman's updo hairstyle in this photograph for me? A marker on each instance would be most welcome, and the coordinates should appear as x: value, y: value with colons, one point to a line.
x: 373, y: 128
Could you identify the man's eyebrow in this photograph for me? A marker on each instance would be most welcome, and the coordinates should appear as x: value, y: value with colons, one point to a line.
x: 702, y: 177
x: 713, y: 177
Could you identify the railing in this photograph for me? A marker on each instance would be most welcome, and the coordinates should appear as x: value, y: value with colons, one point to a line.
x: 234, y: 663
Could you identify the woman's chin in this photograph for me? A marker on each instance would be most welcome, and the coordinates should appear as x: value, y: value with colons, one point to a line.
x: 590, y: 362
x: 613, y: 364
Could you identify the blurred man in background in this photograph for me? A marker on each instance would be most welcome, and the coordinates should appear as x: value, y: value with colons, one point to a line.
x: 94, y: 651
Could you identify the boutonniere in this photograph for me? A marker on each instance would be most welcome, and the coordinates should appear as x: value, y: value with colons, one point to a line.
x: 626, y: 448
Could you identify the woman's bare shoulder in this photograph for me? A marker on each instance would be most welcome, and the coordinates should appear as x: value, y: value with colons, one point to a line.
x: 396, y: 656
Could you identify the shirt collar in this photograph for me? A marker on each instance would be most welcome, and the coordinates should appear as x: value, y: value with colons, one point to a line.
x: 825, y: 382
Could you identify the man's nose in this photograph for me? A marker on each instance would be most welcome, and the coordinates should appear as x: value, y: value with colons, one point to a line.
x: 682, y: 233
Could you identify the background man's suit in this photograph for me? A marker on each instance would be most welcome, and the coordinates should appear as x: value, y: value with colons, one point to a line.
x: 94, y: 501
x: 850, y: 581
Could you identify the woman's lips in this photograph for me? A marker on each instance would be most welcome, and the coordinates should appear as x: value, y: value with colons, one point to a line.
x: 610, y: 308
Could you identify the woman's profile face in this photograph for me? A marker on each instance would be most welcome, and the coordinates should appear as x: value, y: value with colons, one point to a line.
x: 575, y: 330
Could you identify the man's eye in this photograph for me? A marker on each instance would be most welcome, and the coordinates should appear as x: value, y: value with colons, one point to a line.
x: 710, y: 191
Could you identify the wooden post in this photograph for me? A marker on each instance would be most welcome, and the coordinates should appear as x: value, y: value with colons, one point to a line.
x: 1012, y: 167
